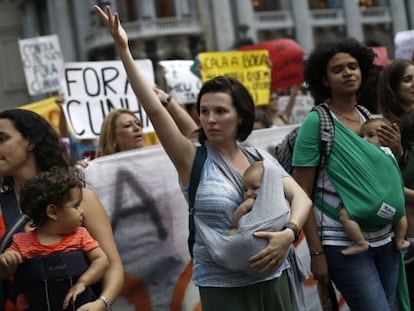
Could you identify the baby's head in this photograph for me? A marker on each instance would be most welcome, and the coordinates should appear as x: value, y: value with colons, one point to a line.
x: 252, y: 179
x: 369, y: 130
x: 48, y: 190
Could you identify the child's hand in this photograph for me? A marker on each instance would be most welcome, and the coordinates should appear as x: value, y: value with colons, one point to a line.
x: 10, y: 259
x: 73, y: 293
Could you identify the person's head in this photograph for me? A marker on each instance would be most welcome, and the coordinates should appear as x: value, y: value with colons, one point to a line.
x: 54, y: 195
x: 27, y: 142
x: 396, y: 89
x: 226, y: 110
x: 273, y: 102
x: 338, y: 68
x: 369, y: 130
x: 252, y: 180
x: 121, y: 131
x: 261, y: 120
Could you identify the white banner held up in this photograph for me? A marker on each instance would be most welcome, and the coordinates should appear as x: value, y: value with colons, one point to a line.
x: 404, y: 44
x: 42, y: 61
x: 93, y: 89
x: 182, y: 84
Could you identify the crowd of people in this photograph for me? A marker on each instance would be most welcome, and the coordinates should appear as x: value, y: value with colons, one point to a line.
x: 357, y: 211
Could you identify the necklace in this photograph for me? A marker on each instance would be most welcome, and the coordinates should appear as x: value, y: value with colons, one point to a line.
x: 345, y: 117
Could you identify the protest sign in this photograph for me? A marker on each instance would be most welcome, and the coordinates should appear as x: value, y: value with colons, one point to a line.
x: 42, y: 61
x: 404, y: 44
x: 381, y: 55
x: 286, y: 57
x: 93, y: 89
x: 251, y: 68
x: 48, y: 109
x: 182, y: 84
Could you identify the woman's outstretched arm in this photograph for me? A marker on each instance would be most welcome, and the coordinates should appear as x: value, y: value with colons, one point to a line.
x: 178, y: 147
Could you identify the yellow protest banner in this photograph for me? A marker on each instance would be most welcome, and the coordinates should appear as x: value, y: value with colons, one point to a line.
x: 48, y: 109
x: 251, y: 68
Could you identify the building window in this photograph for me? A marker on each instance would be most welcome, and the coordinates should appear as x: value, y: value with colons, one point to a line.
x: 325, y: 4
x: 364, y: 4
x: 165, y: 8
x: 127, y: 10
x: 266, y: 5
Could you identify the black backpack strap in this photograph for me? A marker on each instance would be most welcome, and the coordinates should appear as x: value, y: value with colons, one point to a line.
x: 326, y: 132
x: 365, y: 112
x: 200, y: 158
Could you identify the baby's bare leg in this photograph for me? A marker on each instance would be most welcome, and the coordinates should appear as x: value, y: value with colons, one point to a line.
x: 353, y: 230
x: 400, y: 231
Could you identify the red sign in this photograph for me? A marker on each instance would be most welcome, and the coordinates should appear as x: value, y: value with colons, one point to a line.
x: 381, y: 55
x: 286, y: 57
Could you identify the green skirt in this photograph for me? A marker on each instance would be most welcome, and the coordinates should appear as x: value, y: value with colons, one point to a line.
x: 264, y: 296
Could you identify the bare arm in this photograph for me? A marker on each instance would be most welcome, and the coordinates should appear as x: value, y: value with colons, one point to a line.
x: 63, y: 125
x: 305, y: 177
x: 291, y: 104
x: 178, y: 147
x: 98, y: 264
x: 181, y: 117
x: 242, y: 210
x: 97, y: 223
x: 409, y: 195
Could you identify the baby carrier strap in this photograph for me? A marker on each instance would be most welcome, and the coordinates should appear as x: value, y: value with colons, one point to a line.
x: 45, y: 280
x: 198, y: 164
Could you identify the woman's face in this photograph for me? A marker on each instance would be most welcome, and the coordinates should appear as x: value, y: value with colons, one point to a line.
x: 128, y: 132
x: 273, y: 102
x: 15, y: 150
x: 406, y: 87
x: 218, y: 117
x: 343, y: 75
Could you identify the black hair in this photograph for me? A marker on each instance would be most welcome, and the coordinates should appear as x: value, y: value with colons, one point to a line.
x: 242, y: 101
x: 48, y: 187
x: 47, y: 148
x: 316, y: 65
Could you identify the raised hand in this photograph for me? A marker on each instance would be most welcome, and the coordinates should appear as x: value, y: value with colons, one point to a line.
x: 112, y: 23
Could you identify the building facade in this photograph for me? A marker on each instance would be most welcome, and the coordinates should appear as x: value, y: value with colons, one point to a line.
x: 179, y: 29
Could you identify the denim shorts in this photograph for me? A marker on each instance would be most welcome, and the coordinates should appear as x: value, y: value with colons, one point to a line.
x: 368, y: 281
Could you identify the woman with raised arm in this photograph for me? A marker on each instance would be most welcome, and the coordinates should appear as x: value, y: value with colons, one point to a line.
x: 226, y: 112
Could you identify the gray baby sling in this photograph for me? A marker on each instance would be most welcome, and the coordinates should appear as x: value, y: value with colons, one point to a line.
x: 269, y: 213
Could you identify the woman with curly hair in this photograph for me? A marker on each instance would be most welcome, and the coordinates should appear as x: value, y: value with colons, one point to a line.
x: 358, y: 176
x: 29, y: 145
